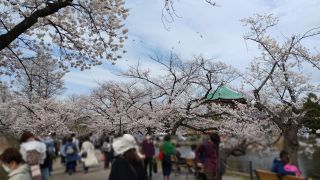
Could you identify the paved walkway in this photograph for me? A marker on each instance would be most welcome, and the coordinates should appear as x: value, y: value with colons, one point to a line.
x: 98, y: 173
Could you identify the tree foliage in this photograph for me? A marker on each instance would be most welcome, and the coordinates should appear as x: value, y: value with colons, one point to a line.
x: 40, y: 78
x: 311, y: 118
x: 277, y: 76
x: 79, y: 33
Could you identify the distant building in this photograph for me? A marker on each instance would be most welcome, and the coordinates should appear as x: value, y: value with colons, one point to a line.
x: 225, y: 95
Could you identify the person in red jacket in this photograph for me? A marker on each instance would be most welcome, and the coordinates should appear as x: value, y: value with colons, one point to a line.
x: 207, y: 156
x: 148, y: 151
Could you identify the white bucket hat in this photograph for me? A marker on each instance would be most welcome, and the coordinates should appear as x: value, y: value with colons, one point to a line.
x: 123, y: 144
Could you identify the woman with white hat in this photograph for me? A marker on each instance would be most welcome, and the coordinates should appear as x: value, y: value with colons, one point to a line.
x: 128, y: 164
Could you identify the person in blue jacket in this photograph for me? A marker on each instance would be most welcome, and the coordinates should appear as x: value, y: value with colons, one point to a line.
x: 71, y: 152
x: 278, y: 165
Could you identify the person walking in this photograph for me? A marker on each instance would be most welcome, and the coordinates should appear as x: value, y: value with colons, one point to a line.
x: 34, y: 154
x: 106, y: 149
x: 71, y: 152
x: 50, y: 152
x: 148, y: 151
x: 62, y: 152
x: 13, y: 164
x: 127, y: 164
x: 88, y: 158
x: 207, y: 156
x: 167, y: 149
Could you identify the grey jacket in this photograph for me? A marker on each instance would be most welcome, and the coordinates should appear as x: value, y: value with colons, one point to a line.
x: 21, y: 173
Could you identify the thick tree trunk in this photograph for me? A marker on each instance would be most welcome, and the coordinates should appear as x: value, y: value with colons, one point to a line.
x: 291, y: 144
x: 224, y: 154
x: 176, y: 125
x: 175, y: 128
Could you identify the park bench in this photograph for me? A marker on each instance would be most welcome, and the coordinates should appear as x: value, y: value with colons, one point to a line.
x: 268, y: 175
x: 181, y: 162
x: 186, y: 164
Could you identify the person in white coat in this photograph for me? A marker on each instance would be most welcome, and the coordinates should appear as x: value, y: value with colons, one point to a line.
x: 88, y: 156
x: 12, y: 162
x: 34, y: 154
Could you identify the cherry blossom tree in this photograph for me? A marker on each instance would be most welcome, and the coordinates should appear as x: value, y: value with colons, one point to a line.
x: 5, y: 115
x: 118, y: 107
x: 5, y: 93
x: 77, y: 33
x: 42, y: 116
x: 245, y: 127
x: 19, y: 115
x: 80, y: 33
x: 178, y: 101
x: 183, y: 86
x: 278, y: 78
x: 31, y: 105
x: 40, y: 78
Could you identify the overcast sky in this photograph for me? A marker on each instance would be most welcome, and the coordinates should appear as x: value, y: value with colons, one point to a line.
x: 215, y: 32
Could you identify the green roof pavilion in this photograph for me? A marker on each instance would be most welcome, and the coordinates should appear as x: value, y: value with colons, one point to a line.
x: 223, y: 93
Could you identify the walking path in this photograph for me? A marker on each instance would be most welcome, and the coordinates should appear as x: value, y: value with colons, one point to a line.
x: 98, y: 173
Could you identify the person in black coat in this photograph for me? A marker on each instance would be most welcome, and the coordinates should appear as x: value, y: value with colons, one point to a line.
x: 128, y: 164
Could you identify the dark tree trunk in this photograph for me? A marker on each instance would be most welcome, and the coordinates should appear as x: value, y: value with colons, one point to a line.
x: 174, y: 129
x: 224, y: 154
x: 291, y: 144
x: 120, y: 128
x: 176, y: 125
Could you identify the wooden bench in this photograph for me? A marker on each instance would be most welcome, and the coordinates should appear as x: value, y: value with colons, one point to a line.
x: 268, y: 175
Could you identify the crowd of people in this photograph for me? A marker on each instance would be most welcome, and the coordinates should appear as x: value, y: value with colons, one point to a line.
x: 33, y: 160
x: 128, y: 157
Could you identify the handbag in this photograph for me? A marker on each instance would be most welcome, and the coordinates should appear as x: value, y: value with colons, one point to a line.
x: 84, y: 154
x: 161, y: 155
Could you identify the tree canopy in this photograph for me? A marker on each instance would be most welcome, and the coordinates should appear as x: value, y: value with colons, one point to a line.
x: 312, y: 116
x: 76, y: 33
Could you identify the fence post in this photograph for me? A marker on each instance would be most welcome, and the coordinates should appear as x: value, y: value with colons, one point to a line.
x: 251, y: 170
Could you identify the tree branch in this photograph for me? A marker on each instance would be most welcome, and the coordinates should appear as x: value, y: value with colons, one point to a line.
x: 7, y: 38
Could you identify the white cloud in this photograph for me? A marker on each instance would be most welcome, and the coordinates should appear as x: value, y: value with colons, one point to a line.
x: 219, y: 27
x: 90, y: 78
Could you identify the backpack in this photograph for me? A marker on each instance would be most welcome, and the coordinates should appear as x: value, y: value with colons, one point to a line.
x: 50, y: 147
x: 70, y: 150
x: 33, y: 157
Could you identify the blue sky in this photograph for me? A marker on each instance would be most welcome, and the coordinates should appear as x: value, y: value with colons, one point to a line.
x: 215, y: 32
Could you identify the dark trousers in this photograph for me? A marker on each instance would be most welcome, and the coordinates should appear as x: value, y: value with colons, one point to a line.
x: 106, y: 159
x: 85, y: 168
x: 71, y: 166
x: 50, y: 163
x: 63, y: 160
x: 148, y: 162
x: 166, y: 165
